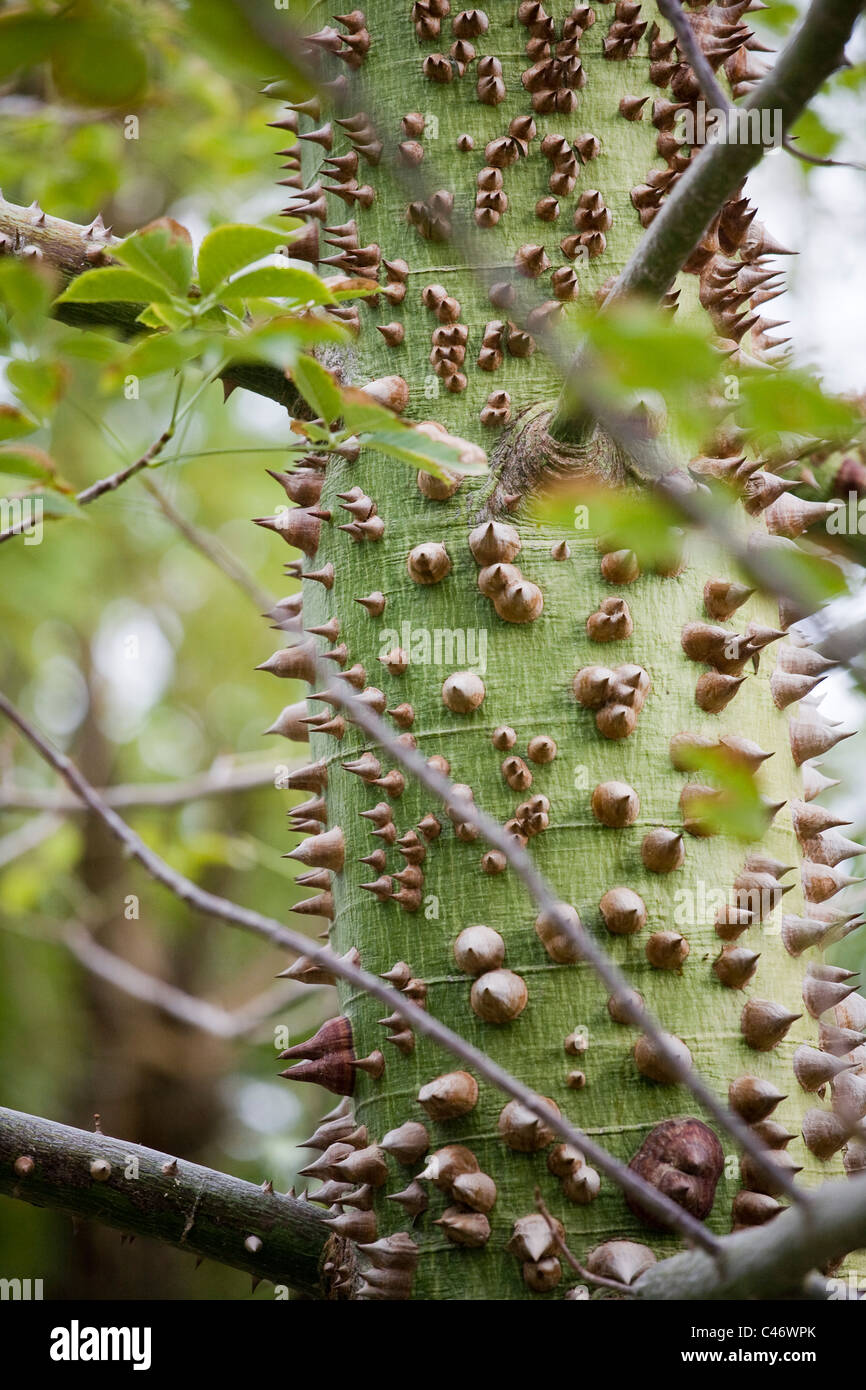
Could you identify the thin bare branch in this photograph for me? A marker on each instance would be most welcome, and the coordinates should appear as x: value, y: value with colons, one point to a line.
x: 116, y: 480
x: 208, y: 546
x: 196, y: 1013
x: 572, y: 1259
x: 666, y: 1211
x: 224, y: 777
x: 823, y: 161
x: 690, y: 48
x: 28, y: 837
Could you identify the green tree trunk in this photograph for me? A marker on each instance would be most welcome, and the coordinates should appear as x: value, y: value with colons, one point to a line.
x: 527, y: 672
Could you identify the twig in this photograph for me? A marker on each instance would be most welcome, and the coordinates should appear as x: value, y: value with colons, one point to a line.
x: 571, y: 1259
x: 116, y: 480
x: 143, y: 1192
x: 210, y: 548
x: 196, y: 1013
x: 689, y: 46
x: 666, y: 1211
x: 28, y: 837
x: 221, y: 779
x: 823, y: 161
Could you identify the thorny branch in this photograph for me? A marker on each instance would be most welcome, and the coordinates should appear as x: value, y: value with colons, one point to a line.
x: 209, y: 1214
x: 666, y: 1211
x: 809, y: 57
x: 690, y: 48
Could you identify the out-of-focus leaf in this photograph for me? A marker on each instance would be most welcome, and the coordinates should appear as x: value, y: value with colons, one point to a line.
x: 738, y: 810
x: 780, y: 16
x: 24, y: 40
x: 113, y: 283
x: 28, y: 462
x: 280, y: 282
x: 39, y: 384
x: 26, y: 293
x: 793, y: 402
x: 241, y: 44
x: 318, y: 388
x: 645, y: 350
x: 161, y: 352
x: 161, y: 252
x: 629, y: 518
x: 822, y: 579
x: 228, y: 249
x: 812, y: 136
x: 363, y: 415
x: 95, y: 63
x: 14, y: 424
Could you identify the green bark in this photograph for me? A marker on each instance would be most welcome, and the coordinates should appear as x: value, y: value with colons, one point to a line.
x: 529, y: 671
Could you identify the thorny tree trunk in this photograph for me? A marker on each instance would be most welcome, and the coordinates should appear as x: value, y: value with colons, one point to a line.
x: 527, y: 671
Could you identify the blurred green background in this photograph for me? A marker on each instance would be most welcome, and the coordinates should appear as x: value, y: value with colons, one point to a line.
x: 134, y: 651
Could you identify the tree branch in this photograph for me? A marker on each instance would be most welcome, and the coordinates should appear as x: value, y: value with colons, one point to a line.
x: 689, y: 46
x: 211, y: 548
x: 221, y: 779
x: 195, y: 1013
x: 814, y: 52
x: 823, y: 161
x: 768, y: 1261
x: 143, y: 1192
x: 70, y: 249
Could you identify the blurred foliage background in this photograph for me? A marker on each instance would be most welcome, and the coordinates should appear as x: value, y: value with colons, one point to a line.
x: 133, y: 650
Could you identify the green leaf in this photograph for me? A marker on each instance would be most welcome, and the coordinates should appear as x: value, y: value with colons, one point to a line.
x: 27, y: 463
x: 738, y: 810
x: 318, y: 388
x: 228, y: 249
x: 14, y: 424
x: 24, y: 41
x: 161, y: 352
x: 644, y: 350
x: 281, y: 282
x: 95, y: 63
x: 629, y: 518
x: 113, y: 283
x: 161, y: 252
x: 812, y: 137
x: 363, y: 415
x: 793, y: 402
x: 419, y: 451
